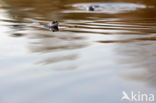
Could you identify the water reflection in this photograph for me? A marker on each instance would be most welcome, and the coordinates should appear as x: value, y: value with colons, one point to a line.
x: 129, y: 40
x: 59, y: 59
x: 141, y: 57
x: 99, y: 54
x: 53, y: 41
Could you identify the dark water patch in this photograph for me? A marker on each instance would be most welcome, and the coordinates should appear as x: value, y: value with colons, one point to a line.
x: 17, y: 35
x: 129, y: 40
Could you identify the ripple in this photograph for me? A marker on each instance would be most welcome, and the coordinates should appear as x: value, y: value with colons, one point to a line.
x: 109, y: 26
x: 105, y: 7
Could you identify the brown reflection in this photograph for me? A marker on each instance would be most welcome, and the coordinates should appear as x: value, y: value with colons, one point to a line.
x: 49, y: 9
x: 60, y: 42
x: 129, y: 40
x: 59, y: 59
x: 51, y: 42
x: 41, y: 9
x: 141, y: 61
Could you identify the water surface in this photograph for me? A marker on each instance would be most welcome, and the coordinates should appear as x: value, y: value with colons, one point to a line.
x: 92, y: 59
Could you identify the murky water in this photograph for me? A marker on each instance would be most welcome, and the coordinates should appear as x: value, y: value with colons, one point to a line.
x: 93, y: 58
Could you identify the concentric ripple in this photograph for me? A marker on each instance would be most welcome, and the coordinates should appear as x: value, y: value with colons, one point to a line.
x: 105, y: 7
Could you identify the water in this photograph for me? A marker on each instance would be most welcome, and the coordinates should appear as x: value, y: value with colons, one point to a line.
x: 92, y: 59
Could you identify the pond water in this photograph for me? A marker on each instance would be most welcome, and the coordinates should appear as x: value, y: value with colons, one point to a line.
x: 94, y: 57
